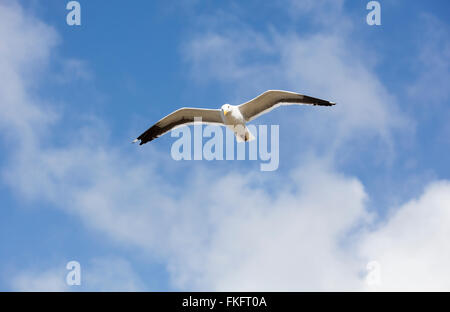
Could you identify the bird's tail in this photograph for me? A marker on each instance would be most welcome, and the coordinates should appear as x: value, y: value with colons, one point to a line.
x: 244, y: 135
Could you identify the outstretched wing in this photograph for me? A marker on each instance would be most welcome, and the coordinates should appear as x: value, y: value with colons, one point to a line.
x: 179, y: 117
x: 274, y: 98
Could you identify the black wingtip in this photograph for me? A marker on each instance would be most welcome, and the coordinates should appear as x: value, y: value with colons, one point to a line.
x: 141, y: 142
x: 145, y: 140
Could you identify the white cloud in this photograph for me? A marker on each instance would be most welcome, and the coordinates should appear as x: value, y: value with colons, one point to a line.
x: 290, y: 241
x: 26, y: 47
x: 111, y: 274
x: 228, y: 233
x: 412, y: 246
x: 433, y: 63
x: 50, y: 280
x: 100, y: 274
x: 326, y: 12
x: 74, y: 69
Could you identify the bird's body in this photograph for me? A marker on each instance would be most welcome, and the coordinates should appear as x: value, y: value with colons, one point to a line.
x: 235, y: 121
x: 231, y: 116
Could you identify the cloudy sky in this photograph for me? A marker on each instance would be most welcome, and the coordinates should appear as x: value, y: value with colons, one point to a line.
x: 365, y: 184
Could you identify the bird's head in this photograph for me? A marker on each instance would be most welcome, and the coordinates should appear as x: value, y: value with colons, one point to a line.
x: 226, y: 108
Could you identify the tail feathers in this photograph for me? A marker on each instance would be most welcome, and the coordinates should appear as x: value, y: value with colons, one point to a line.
x: 248, y: 135
x: 244, y: 136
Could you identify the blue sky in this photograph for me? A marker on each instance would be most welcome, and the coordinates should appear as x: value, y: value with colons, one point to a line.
x: 366, y: 180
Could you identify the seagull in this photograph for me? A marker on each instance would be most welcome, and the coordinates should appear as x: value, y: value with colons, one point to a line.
x: 232, y: 116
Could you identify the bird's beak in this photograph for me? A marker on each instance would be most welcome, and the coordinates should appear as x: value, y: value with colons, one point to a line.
x: 225, y: 112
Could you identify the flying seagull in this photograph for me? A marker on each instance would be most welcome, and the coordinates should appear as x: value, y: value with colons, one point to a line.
x: 234, y: 117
